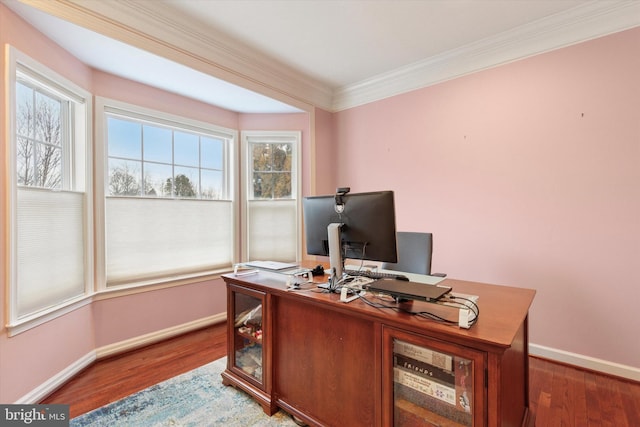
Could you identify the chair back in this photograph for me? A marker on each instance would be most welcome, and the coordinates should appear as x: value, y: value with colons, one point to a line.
x: 414, y: 253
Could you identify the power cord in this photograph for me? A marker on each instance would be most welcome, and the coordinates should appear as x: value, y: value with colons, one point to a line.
x: 427, y: 314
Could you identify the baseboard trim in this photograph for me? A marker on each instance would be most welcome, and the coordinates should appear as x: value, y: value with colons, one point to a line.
x: 49, y: 386
x: 53, y: 383
x: 153, y: 337
x: 586, y: 362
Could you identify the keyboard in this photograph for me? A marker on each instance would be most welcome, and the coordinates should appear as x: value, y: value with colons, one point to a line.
x: 375, y: 274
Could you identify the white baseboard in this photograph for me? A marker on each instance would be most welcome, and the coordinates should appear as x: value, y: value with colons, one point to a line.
x: 49, y: 386
x: 586, y: 362
x: 153, y: 337
x: 44, y: 389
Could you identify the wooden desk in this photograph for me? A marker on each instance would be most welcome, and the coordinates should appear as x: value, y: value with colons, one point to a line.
x: 331, y: 363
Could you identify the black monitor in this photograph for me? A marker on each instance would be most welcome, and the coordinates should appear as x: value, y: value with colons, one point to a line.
x: 359, y: 226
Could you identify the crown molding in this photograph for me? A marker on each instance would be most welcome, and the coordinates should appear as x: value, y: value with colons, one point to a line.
x: 585, y: 22
x: 154, y: 27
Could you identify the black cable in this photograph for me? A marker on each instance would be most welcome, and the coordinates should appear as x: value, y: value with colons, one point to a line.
x: 474, y: 307
x: 423, y: 314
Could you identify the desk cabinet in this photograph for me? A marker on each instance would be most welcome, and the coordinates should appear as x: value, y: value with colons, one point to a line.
x: 431, y: 383
x: 249, y: 344
x: 333, y: 364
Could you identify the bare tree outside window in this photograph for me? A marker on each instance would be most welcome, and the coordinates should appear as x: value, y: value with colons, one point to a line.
x: 39, y: 138
x: 156, y: 160
x: 123, y: 181
x: 271, y: 170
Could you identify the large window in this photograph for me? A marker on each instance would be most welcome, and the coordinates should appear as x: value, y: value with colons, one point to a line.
x: 51, y: 257
x: 272, y: 201
x: 169, y: 209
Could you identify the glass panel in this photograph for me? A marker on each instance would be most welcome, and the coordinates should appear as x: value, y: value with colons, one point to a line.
x: 157, y: 179
x: 261, y: 157
x: 125, y: 139
x: 124, y: 177
x: 281, y: 157
x: 49, y: 166
x: 47, y: 119
x: 271, y: 171
x: 157, y: 144
x: 248, y: 335
x: 211, y: 184
x: 24, y: 111
x: 24, y: 157
x: 212, y: 152
x: 262, y: 185
x: 186, y: 148
x: 186, y: 182
x: 431, y: 387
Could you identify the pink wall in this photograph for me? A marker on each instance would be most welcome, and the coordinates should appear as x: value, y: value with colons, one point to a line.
x: 325, y: 148
x: 122, y: 318
x: 31, y: 358
x: 528, y: 175
x: 66, y: 339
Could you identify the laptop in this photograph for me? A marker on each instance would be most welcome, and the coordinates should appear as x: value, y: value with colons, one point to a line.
x: 409, y: 290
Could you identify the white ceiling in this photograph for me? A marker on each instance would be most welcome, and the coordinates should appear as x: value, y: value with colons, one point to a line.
x: 343, y: 42
x: 332, y: 54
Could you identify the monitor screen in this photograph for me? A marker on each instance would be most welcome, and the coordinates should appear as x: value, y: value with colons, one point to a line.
x: 365, y: 222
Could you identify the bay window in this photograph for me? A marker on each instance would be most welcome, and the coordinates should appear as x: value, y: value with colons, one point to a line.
x: 169, y: 196
x: 50, y: 263
x: 271, y: 183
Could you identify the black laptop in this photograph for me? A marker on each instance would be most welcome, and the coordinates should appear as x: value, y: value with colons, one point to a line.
x: 409, y: 290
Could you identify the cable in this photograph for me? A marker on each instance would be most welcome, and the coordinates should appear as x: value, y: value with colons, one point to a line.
x: 473, y: 307
x: 427, y: 314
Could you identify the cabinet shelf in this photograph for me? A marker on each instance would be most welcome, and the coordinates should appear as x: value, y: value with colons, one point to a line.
x: 250, y: 337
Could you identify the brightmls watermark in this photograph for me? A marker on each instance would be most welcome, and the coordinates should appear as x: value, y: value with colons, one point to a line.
x: 34, y: 415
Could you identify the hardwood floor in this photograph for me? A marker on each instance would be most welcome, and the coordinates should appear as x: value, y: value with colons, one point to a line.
x: 560, y: 395
x: 113, y: 378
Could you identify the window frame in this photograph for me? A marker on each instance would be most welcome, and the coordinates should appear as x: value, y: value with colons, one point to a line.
x: 77, y: 148
x: 106, y: 106
x: 249, y: 136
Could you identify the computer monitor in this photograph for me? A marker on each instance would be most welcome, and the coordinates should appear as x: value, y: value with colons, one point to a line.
x: 359, y: 226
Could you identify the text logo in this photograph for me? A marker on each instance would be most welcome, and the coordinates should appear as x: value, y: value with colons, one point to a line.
x: 34, y: 415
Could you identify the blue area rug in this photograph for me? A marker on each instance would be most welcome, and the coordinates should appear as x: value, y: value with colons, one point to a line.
x: 195, y: 399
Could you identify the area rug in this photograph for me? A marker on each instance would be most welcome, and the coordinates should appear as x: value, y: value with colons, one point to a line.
x: 194, y: 399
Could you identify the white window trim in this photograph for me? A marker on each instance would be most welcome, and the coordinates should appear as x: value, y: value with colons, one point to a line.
x: 15, y: 60
x: 245, y: 182
x: 106, y: 105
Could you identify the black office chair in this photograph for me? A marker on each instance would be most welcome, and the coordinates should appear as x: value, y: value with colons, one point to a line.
x: 414, y: 253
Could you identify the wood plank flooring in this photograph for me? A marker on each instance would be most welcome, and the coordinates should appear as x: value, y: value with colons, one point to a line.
x: 560, y: 395
x: 113, y: 378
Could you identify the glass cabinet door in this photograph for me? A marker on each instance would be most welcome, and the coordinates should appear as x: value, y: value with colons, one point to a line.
x: 247, y: 336
x: 431, y: 383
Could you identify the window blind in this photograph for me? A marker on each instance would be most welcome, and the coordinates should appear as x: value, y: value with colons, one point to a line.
x: 272, y: 229
x: 148, y: 238
x: 50, y: 248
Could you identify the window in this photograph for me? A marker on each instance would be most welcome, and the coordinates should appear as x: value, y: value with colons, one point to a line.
x: 169, y: 209
x: 157, y: 161
x: 272, y: 188
x: 51, y: 258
